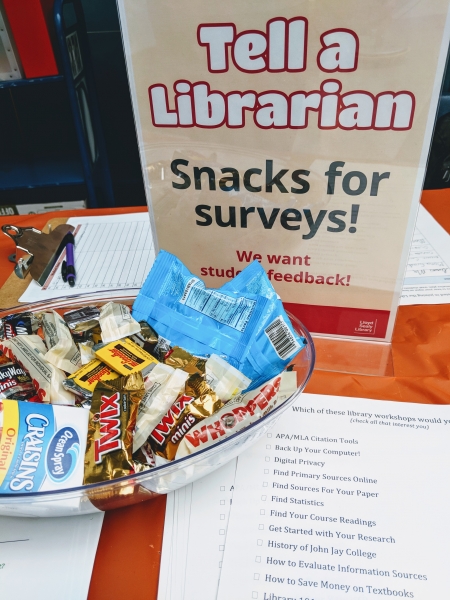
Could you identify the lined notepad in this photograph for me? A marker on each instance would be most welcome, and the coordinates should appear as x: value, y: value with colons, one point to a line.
x: 112, y: 254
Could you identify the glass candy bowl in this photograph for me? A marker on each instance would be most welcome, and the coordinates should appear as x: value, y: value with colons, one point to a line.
x: 159, y: 480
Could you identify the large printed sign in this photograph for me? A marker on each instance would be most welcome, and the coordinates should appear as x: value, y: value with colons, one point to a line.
x: 293, y: 133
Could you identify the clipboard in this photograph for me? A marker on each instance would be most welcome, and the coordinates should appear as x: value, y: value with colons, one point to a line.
x: 14, y: 287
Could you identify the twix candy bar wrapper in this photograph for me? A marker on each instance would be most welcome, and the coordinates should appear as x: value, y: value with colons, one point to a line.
x: 84, y: 381
x: 196, y: 403
x: 163, y: 385
x: 125, y: 357
x: 112, y: 420
x: 238, y: 413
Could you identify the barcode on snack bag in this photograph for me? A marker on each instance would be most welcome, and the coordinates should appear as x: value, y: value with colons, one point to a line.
x: 281, y: 338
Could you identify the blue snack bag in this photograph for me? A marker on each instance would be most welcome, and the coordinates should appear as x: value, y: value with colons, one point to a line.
x: 245, y: 323
x: 276, y: 343
x: 204, y: 321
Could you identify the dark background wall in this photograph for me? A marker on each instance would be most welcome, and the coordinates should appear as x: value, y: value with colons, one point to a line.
x: 39, y: 142
x: 39, y: 153
x: 105, y: 41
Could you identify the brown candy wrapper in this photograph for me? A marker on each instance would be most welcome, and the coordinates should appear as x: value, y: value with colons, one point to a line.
x: 181, y: 359
x: 151, y: 342
x: 196, y: 403
x: 147, y: 338
x: 112, y: 421
x: 4, y: 360
x: 145, y: 455
x: 96, y: 335
x: 84, y: 381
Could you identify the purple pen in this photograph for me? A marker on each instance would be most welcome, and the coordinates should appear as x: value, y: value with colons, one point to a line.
x: 68, y: 265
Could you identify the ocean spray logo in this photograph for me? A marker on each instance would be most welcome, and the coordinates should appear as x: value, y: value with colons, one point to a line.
x: 63, y: 454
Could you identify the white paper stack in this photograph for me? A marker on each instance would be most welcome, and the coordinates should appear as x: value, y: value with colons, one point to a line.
x: 48, y: 559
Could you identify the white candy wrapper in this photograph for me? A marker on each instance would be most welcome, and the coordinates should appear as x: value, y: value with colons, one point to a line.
x: 224, y: 379
x: 62, y: 350
x: 87, y: 354
x: 116, y: 322
x: 28, y: 351
x: 238, y: 413
x: 163, y: 385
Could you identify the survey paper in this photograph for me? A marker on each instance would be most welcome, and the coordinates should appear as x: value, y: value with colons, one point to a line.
x: 195, y: 530
x: 427, y: 277
x: 112, y: 254
x: 48, y: 559
x: 343, y: 498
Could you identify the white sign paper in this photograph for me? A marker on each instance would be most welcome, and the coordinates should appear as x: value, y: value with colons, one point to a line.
x: 427, y: 277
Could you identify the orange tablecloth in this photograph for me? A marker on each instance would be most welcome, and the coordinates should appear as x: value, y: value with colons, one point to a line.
x: 128, y: 556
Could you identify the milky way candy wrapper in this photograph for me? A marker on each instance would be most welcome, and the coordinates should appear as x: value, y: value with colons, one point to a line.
x: 18, y: 324
x: 16, y: 383
x: 29, y: 352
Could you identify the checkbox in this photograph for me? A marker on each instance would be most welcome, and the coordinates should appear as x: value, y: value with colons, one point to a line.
x: 222, y: 488
x: 221, y: 548
x: 258, y: 559
x: 267, y: 458
x: 221, y: 531
x: 265, y: 484
x: 222, y: 502
x: 262, y: 512
x: 269, y: 435
x: 266, y: 471
x: 222, y: 517
x: 254, y: 594
x: 256, y: 576
x: 259, y: 542
x: 263, y: 498
x: 260, y: 526
x: 268, y: 446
